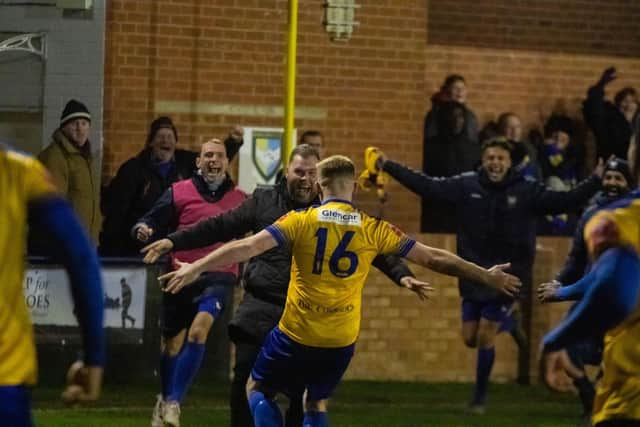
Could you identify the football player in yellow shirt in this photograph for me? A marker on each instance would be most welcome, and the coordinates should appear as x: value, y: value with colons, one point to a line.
x: 28, y: 199
x: 609, y: 304
x: 333, y: 245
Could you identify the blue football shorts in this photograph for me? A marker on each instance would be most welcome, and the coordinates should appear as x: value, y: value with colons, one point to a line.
x: 494, y: 311
x: 15, y: 406
x: 289, y: 367
x: 207, y: 294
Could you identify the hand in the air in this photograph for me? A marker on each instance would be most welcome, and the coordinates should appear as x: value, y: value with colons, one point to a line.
x: 502, y: 281
x: 422, y: 289
x: 178, y: 279
x: 547, y: 291
x: 237, y: 133
x: 599, y: 169
x: 608, y: 75
x: 155, y: 250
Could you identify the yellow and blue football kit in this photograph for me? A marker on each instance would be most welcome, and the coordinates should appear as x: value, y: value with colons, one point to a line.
x: 28, y: 199
x: 610, y: 305
x: 22, y: 181
x: 333, y: 246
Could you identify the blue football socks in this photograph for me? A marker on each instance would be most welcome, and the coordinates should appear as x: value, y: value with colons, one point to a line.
x: 486, y: 356
x: 265, y: 411
x: 186, y: 368
x: 167, y: 372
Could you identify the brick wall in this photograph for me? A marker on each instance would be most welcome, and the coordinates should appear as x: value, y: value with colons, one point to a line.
x: 526, y: 57
x: 233, y: 52
x: 405, y: 339
x: 531, y: 57
x: 591, y: 27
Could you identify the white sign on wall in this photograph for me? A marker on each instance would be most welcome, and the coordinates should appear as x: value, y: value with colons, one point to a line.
x: 48, y: 296
x: 260, y: 156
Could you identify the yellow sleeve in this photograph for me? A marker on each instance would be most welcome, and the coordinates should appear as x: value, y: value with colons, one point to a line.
x: 38, y: 181
x: 390, y: 240
x: 286, y: 228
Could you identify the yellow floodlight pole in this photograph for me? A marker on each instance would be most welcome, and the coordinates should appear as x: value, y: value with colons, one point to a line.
x: 290, y: 102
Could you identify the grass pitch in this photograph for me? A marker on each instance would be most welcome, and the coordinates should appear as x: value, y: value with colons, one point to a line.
x: 356, y: 404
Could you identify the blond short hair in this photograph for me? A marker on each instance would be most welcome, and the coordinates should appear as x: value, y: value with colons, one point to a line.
x: 215, y: 141
x: 336, y: 172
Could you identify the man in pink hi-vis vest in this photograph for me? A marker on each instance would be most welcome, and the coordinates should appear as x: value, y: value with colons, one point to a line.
x: 190, y: 313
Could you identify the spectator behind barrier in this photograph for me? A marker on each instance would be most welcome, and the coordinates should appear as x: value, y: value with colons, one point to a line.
x: 613, y: 124
x: 311, y: 137
x: 561, y: 160
x: 138, y: 184
x: 454, y: 88
x: 450, y: 152
x: 69, y: 161
x: 524, y: 154
x: 141, y: 180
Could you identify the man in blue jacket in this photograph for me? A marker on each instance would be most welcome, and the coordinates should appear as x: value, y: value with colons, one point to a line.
x: 496, y: 209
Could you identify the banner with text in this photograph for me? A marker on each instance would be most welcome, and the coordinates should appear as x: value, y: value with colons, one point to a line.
x: 48, y: 296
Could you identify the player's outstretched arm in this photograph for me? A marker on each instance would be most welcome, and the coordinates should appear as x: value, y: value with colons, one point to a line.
x: 422, y: 289
x: 554, y: 291
x: 230, y: 253
x: 70, y: 245
x: 611, y: 296
x: 448, y: 263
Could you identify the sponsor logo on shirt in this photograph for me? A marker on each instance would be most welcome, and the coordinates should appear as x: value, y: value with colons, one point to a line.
x: 318, y: 308
x: 338, y: 216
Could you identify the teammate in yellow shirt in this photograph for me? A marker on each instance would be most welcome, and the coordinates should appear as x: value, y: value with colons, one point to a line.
x: 28, y: 199
x: 609, y: 304
x: 333, y: 245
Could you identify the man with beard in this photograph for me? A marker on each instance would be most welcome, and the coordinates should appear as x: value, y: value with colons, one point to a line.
x: 209, y: 193
x: 616, y: 183
x: 267, y: 276
x: 496, y: 208
x: 333, y: 245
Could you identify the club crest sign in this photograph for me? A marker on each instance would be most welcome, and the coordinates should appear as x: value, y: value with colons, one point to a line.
x: 266, y: 154
x: 260, y: 157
